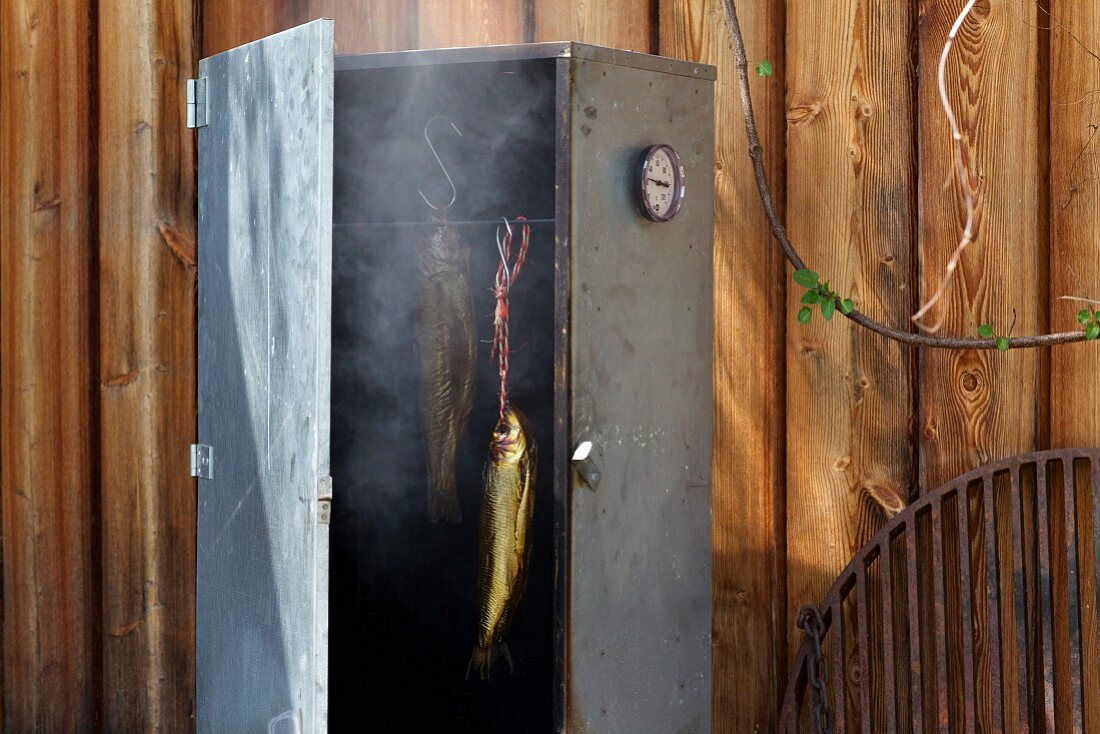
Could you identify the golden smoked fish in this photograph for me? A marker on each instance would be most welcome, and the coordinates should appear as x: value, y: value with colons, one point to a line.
x: 446, y: 340
x: 504, y: 536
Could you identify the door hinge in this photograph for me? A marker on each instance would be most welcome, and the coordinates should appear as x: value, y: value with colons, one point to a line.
x: 324, y: 500
x: 196, y: 102
x: 202, y: 461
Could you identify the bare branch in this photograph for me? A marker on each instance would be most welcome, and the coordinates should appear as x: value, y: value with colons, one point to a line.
x: 779, y: 231
x: 1079, y: 298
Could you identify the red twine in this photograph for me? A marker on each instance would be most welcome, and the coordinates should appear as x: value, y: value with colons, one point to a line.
x: 505, y: 279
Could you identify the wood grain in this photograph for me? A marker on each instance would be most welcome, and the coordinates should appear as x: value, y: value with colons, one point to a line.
x: 629, y: 24
x: 146, y: 231
x: 365, y: 27
x: 849, y: 203
x: 749, y: 657
x: 230, y: 23
x: 812, y: 424
x: 977, y: 407
x: 1074, y: 213
x: 47, y: 411
x: 444, y: 23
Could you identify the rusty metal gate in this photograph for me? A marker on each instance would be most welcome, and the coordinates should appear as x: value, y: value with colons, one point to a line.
x: 975, y: 609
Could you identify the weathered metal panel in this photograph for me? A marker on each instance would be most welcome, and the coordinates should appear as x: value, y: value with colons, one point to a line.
x: 639, y: 623
x: 522, y: 51
x: 265, y: 239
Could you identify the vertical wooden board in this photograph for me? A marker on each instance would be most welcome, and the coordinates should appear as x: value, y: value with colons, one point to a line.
x: 50, y: 615
x: 361, y: 27
x: 850, y: 209
x: 147, y: 363
x: 628, y: 24
x: 444, y: 23
x: 749, y: 632
x: 230, y: 23
x: 1074, y: 214
x: 364, y: 27
x: 978, y: 406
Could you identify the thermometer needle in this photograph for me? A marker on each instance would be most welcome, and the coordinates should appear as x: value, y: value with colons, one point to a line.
x: 660, y: 183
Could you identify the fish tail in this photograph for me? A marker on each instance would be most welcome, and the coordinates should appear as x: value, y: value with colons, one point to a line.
x: 483, y: 656
x: 481, y: 660
x: 443, y: 505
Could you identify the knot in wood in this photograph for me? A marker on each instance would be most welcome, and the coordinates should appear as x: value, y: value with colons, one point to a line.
x: 801, y: 113
x: 972, y: 382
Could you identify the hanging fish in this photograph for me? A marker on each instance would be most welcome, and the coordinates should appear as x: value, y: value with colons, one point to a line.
x: 446, y: 339
x: 504, y: 536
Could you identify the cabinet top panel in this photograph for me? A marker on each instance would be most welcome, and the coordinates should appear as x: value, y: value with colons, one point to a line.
x: 526, y: 51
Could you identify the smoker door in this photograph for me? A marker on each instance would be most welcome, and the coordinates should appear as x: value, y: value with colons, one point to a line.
x: 265, y: 249
x: 639, y: 624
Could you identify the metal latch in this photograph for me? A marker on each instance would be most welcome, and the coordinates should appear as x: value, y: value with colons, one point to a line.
x: 202, y: 461
x: 196, y: 102
x: 588, y: 470
x: 324, y: 501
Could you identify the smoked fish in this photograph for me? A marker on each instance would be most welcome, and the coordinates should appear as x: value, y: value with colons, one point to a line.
x: 504, y: 536
x: 446, y: 340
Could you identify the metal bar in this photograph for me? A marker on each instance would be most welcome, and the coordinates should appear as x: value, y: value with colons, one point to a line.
x: 966, y: 615
x: 792, y: 700
x: 563, y: 402
x: 864, y: 647
x: 993, y: 596
x: 1069, y: 485
x: 836, y: 663
x: 886, y: 570
x: 525, y: 51
x: 916, y: 677
x: 1042, y: 532
x: 940, y: 632
x: 458, y: 223
x: 1019, y: 585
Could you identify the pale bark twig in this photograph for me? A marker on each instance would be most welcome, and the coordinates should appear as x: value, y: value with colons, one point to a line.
x: 962, y: 172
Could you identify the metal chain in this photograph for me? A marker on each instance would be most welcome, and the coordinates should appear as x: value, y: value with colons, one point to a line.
x: 817, y: 671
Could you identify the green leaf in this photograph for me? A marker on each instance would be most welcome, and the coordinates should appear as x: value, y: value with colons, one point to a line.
x: 806, y: 278
x: 1092, y: 331
x: 811, y: 298
x: 985, y: 331
x: 847, y: 306
x: 804, y: 315
x: 765, y: 68
x: 1084, y: 316
x: 1002, y: 343
x: 827, y: 308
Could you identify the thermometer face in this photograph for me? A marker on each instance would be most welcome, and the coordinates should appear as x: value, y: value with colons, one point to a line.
x: 661, y: 182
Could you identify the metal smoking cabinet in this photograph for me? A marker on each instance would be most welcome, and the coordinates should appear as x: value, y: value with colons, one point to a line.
x: 325, y: 597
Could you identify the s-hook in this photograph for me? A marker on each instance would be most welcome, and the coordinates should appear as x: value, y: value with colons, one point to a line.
x: 454, y: 191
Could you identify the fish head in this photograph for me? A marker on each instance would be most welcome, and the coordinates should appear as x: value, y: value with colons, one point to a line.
x: 509, y: 437
x: 442, y: 251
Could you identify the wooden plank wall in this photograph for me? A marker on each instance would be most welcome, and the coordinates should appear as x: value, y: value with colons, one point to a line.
x: 48, y: 396
x: 821, y: 431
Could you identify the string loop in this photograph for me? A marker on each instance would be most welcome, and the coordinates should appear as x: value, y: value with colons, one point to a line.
x: 502, y: 286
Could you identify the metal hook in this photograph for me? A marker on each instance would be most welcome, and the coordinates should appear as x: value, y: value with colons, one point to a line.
x: 454, y: 191
x: 503, y: 259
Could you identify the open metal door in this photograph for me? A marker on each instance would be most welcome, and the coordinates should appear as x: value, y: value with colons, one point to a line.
x: 265, y: 117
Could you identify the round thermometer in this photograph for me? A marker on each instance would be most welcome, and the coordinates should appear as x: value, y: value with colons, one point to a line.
x: 661, y: 182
